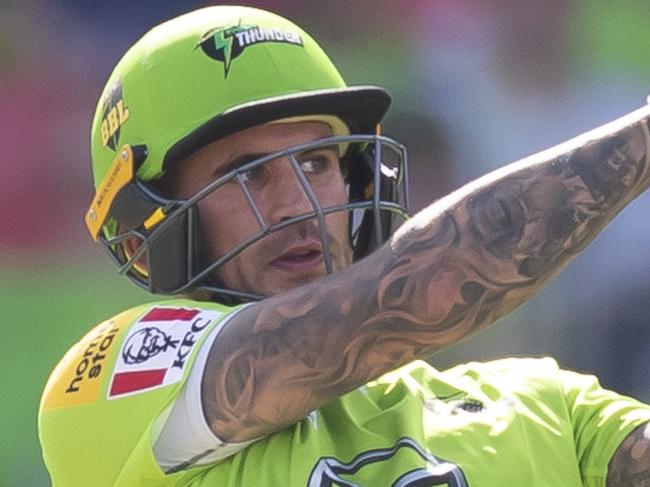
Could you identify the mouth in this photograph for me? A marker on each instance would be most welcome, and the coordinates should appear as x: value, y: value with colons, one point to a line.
x: 301, y: 259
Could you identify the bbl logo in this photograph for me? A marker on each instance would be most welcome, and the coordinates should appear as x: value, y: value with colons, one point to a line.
x: 115, y: 114
x: 227, y: 43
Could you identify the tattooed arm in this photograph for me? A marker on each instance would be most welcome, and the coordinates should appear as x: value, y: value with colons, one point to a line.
x: 452, y: 269
x: 630, y: 465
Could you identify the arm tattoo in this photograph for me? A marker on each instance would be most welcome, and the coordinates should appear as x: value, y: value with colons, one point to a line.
x: 630, y: 465
x: 452, y: 269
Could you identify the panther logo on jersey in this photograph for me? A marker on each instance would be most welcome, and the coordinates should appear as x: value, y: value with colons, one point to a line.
x: 409, y: 464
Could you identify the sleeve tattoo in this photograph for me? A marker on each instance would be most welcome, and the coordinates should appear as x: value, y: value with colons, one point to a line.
x: 630, y: 465
x: 452, y: 269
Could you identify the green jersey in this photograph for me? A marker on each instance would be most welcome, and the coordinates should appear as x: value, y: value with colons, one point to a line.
x: 508, y: 422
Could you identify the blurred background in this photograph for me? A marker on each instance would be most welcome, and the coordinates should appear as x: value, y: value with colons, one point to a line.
x: 475, y: 85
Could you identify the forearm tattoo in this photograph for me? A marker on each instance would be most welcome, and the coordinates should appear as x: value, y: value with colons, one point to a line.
x: 630, y: 466
x: 452, y: 269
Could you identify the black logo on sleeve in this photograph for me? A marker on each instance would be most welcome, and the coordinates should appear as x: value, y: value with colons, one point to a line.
x: 145, y: 344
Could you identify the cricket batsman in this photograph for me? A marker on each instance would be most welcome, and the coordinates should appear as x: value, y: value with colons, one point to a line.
x: 240, y: 179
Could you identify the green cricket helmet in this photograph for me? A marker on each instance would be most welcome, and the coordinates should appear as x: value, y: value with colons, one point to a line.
x: 205, y: 75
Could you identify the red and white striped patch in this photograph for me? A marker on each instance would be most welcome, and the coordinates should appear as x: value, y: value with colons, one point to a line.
x: 156, y: 349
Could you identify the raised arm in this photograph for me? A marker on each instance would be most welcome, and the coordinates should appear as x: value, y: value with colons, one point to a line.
x: 630, y: 465
x: 454, y: 268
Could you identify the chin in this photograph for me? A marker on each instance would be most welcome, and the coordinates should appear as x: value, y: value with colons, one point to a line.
x: 292, y: 282
x: 274, y: 281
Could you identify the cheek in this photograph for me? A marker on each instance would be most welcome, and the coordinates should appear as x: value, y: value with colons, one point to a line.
x: 337, y: 223
x: 225, y: 220
x: 331, y: 191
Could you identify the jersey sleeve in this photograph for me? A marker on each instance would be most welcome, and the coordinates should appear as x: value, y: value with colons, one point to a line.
x: 186, y: 439
x: 601, y: 420
x: 107, y: 400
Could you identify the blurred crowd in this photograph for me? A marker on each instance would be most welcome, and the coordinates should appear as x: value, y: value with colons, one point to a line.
x: 475, y: 85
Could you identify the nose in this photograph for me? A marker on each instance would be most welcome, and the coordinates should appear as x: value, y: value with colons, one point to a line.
x: 285, y: 197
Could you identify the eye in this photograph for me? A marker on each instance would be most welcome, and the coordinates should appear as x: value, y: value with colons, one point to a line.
x: 313, y: 165
x: 317, y: 162
x: 254, y: 175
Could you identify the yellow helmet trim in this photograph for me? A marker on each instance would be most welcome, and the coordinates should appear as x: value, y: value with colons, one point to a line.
x: 118, y: 175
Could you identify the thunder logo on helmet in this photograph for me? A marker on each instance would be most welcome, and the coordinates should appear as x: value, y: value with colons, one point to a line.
x: 226, y: 43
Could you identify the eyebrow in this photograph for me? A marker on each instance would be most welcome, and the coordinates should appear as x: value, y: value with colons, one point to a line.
x: 237, y: 162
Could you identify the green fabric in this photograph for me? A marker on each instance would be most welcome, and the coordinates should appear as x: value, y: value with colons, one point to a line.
x: 507, y: 422
x: 597, y: 437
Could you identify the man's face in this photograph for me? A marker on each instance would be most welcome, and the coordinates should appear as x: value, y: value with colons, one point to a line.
x: 293, y: 255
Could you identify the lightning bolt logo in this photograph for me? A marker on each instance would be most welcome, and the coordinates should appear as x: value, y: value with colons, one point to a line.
x: 225, y: 43
x: 220, y: 44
